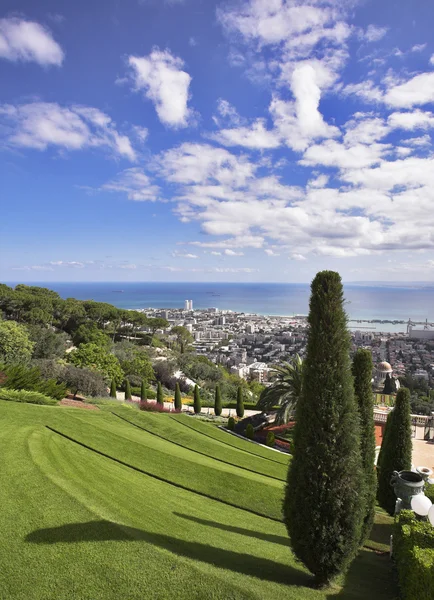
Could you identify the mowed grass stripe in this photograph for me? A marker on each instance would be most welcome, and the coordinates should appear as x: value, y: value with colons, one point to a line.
x: 213, y: 432
x: 157, y: 477
x: 162, y: 428
x: 241, y: 489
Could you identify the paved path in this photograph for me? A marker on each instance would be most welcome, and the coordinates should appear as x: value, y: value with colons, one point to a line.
x: 423, y: 454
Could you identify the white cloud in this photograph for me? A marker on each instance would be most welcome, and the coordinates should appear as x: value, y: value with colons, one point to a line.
x: 135, y: 184
x: 431, y: 60
x: 411, y: 120
x: 365, y: 130
x: 177, y: 254
x: 374, y: 33
x: 215, y: 253
x: 416, y: 91
x: 366, y: 90
x: 28, y: 41
x: 227, y: 112
x: 129, y: 267
x: 246, y: 241
x: 256, y: 136
x: 230, y: 252
x: 164, y: 82
x: 297, y: 256
x: 319, y: 182
x: 42, y: 124
x: 418, y: 48
x: 141, y: 133
x: 73, y: 264
x: 333, y: 154
x: 423, y: 140
x: 271, y: 252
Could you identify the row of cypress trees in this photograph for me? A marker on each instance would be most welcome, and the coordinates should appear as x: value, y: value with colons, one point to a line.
x: 128, y: 395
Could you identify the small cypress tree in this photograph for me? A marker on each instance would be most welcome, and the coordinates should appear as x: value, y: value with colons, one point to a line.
x: 362, y: 373
x: 270, y: 439
x: 127, y: 390
x: 160, y: 397
x: 196, y: 398
x: 388, y: 385
x: 113, y: 389
x: 143, y: 391
x: 322, y: 505
x: 250, y: 432
x: 217, y: 401
x: 240, y: 403
x: 231, y: 424
x: 178, y: 400
x: 396, y: 449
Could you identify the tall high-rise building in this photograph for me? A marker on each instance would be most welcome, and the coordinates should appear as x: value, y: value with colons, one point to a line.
x: 188, y: 305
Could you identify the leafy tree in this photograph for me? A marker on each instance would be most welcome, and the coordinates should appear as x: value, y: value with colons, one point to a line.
x: 183, y: 337
x: 89, y: 333
x: 143, y: 391
x: 240, y: 403
x: 48, y: 343
x: 217, y: 401
x: 362, y: 373
x: 94, y: 357
x: 322, y: 506
x: 178, y: 400
x: 396, y: 449
x: 127, y: 390
x: 138, y: 365
x: 85, y: 381
x: 157, y: 323
x: 113, y: 389
x: 160, y: 397
x: 196, y: 400
x: 15, y: 343
x: 285, y: 391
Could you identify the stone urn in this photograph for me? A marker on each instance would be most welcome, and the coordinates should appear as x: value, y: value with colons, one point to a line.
x: 406, y: 484
x: 425, y: 472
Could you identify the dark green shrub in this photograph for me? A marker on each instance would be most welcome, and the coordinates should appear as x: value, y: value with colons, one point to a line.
x: 323, y: 505
x: 113, y: 389
x: 20, y: 377
x: 240, y: 403
x: 270, y: 439
x: 217, y: 401
x: 160, y: 396
x: 196, y: 403
x: 362, y: 373
x: 127, y: 387
x: 395, y: 453
x: 250, y: 432
x: 231, y: 424
x: 143, y: 391
x: 26, y: 396
x: 413, y: 551
x: 429, y: 491
x: 178, y: 399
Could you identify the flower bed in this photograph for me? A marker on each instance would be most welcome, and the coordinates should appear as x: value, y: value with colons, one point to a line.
x: 156, y: 407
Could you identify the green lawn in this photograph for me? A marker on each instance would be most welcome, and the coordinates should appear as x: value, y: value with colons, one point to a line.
x: 78, y: 525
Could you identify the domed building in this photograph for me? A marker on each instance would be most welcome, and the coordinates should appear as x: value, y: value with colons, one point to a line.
x: 381, y: 371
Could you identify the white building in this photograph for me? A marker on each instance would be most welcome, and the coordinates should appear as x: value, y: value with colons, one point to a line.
x: 188, y: 305
x: 422, y: 374
x: 427, y: 333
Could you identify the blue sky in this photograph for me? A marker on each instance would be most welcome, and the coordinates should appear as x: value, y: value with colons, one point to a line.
x: 253, y: 140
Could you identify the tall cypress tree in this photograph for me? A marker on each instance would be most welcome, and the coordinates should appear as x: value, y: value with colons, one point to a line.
x: 143, y: 391
x: 217, y: 401
x: 388, y: 385
x: 113, y: 389
x: 160, y: 397
x: 396, y: 449
x: 362, y: 373
x: 240, y: 403
x: 127, y: 390
x: 178, y: 401
x: 196, y: 398
x: 323, y: 505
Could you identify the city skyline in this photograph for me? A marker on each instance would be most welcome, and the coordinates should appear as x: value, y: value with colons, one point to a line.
x: 244, y: 141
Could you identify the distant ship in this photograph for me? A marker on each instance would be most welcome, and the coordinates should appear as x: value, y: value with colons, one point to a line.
x: 118, y: 291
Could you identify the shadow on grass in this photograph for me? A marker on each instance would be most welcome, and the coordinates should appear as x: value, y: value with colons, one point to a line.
x: 381, y: 533
x: 370, y: 575
x: 267, y: 537
x: 101, y: 531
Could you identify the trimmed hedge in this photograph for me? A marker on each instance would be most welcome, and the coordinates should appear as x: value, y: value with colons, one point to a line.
x: 26, y: 396
x: 150, y: 394
x: 270, y: 439
x: 429, y: 491
x: 413, y: 550
x: 250, y: 432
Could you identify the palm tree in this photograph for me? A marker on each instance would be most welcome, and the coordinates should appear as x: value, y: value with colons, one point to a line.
x: 285, y: 391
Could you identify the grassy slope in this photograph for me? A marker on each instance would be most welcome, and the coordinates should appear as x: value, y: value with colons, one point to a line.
x: 122, y: 441
x: 210, y: 430
x: 175, y: 432
x: 76, y: 525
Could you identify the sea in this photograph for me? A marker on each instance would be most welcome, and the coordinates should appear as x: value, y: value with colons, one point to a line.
x: 362, y: 302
